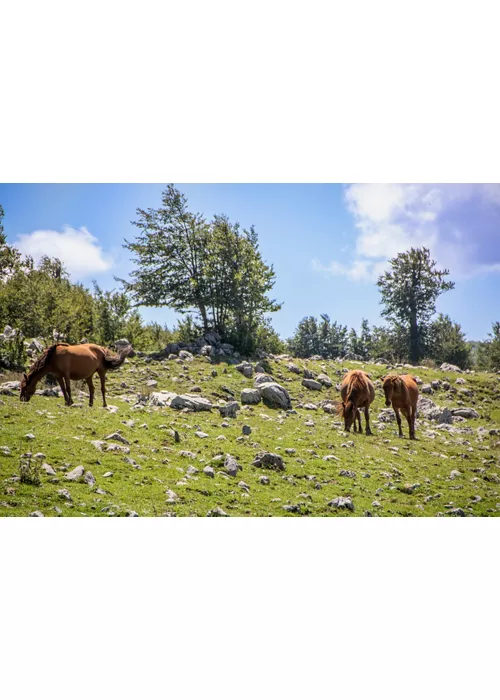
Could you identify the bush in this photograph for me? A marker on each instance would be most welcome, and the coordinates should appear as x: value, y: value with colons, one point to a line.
x: 12, y: 351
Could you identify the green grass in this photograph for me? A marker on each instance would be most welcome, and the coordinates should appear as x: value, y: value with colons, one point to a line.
x: 64, y: 436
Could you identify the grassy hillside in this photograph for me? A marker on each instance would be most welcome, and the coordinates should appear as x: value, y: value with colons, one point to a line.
x: 382, y: 475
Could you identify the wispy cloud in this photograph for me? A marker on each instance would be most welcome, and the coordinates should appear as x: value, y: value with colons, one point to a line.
x: 78, y: 249
x: 459, y: 223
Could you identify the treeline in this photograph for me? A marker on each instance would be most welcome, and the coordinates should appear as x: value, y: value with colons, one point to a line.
x: 213, y: 273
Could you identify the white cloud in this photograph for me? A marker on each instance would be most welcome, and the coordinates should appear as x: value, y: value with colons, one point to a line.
x: 78, y: 249
x: 459, y: 223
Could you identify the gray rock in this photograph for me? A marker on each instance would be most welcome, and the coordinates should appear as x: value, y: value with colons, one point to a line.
x: 217, y: 512
x: 250, y: 396
x: 107, y: 475
x: 293, y: 368
x: 88, y: 478
x: 246, y: 430
x: 36, y: 514
x: 348, y: 473
x: 308, y: 373
x: 264, y: 480
x: 36, y: 346
x: 64, y: 493
x: 185, y: 355
x: 132, y: 514
x: 5, y: 451
x: 161, y: 398
x: 195, y: 403
x: 342, y: 502
x: 48, y: 469
x: 436, y: 384
x: 295, y: 508
x: 269, y: 460
x: 172, y: 497
x: 209, y: 471
x: 230, y: 410
x: 151, y: 383
x: 29, y: 436
x: 312, y: 384
x: 201, y: 434
x: 275, y: 396
x: 261, y: 378
x: 75, y: 474
x: 465, y: 412
x: 445, y: 416
x: 446, y: 367
x: 231, y: 466
x: 118, y: 437
x: 245, y: 368
x: 325, y: 380
x: 426, y: 389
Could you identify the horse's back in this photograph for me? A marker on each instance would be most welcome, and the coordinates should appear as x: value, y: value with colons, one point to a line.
x: 359, y: 379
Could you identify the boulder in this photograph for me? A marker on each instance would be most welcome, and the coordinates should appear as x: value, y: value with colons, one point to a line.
x: 250, y: 396
x: 465, y: 412
x: 245, y: 368
x: 293, y: 368
x: 161, y: 398
x: 312, y: 384
x: 446, y: 367
x: 325, y: 380
x: 342, y: 502
x: 229, y: 410
x: 262, y: 378
x: 269, y: 460
x: 185, y: 355
x: 194, y: 403
x: 231, y: 465
x: 275, y: 396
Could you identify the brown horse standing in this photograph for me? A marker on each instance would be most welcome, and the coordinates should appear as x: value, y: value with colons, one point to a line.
x: 357, y: 392
x: 75, y: 362
x: 402, y: 391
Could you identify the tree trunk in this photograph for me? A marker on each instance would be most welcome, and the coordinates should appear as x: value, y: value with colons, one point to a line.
x: 414, y: 339
x: 203, y: 313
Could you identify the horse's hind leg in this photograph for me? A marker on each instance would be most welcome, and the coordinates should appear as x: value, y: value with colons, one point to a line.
x: 91, y: 390
x: 412, y: 423
x: 398, y: 418
x: 102, y: 377
x: 367, y: 419
x: 358, y: 415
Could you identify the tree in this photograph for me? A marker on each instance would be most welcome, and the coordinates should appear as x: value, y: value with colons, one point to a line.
x: 409, y: 292
x: 489, y: 351
x: 211, y: 268
x: 447, y: 343
x: 10, y: 257
x: 319, y: 338
x: 111, y: 311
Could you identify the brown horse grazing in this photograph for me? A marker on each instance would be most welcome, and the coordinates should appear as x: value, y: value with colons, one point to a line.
x: 357, y: 392
x: 402, y: 392
x: 76, y: 362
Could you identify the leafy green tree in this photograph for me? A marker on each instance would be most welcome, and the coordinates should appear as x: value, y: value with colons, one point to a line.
x: 489, y: 351
x: 214, y: 269
x: 319, y: 338
x: 409, y: 292
x: 446, y: 343
x: 111, y: 311
x: 10, y: 257
x: 305, y: 341
x: 267, y: 339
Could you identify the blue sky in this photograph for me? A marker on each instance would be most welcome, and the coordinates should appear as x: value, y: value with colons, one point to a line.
x: 328, y: 243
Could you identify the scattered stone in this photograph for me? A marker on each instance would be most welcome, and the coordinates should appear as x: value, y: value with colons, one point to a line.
x: 172, y: 497
x: 292, y: 508
x: 36, y: 514
x: 217, y: 512
x: 312, y: 384
x: 446, y: 367
x: 75, y: 474
x: 29, y: 436
x: 132, y: 514
x: 455, y: 474
x: 118, y: 437
x: 325, y: 380
x: 269, y: 460
x: 231, y: 466
x: 264, y: 480
x: 426, y: 389
x: 209, y: 471
x: 465, y: 412
x: 48, y: 469
x: 245, y: 368
x: 342, y: 502
x: 107, y: 475
x: 89, y: 478
x: 346, y: 472
x: 246, y: 430
x: 275, y: 396
x: 186, y: 453
x: 64, y: 493
x: 200, y: 434
x: 250, y: 396
x: 194, y: 403
x: 230, y: 410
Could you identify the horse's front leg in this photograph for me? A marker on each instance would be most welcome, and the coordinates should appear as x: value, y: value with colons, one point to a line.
x: 63, y: 389
x: 68, y: 389
x: 367, y: 419
x: 102, y: 377
x: 90, y: 385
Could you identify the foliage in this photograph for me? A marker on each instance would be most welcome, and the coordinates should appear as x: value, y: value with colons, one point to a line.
x: 9, y: 256
x: 13, y: 352
x: 319, y: 338
x: 409, y: 292
x: 267, y: 339
x: 446, y: 343
x: 111, y: 311
x: 489, y: 351
x: 212, y: 269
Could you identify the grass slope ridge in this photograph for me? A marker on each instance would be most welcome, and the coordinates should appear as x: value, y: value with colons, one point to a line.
x: 157, y: 462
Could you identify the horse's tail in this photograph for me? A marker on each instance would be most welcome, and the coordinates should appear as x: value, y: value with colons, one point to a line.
x: 113, y: 360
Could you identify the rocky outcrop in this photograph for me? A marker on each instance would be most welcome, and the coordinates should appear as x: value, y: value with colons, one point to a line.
x: 275, y: 396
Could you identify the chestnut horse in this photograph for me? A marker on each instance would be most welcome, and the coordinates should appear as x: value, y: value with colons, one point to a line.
x: 76, y: 362
x: 357, y: 392
x: 402, y: 392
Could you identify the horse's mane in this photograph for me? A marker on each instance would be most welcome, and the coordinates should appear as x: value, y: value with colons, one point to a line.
x: 44, y: 358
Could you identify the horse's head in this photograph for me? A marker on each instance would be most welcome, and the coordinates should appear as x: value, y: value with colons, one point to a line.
x: 28, y: 387
x: 388, y: 387
x: 348, y: 412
